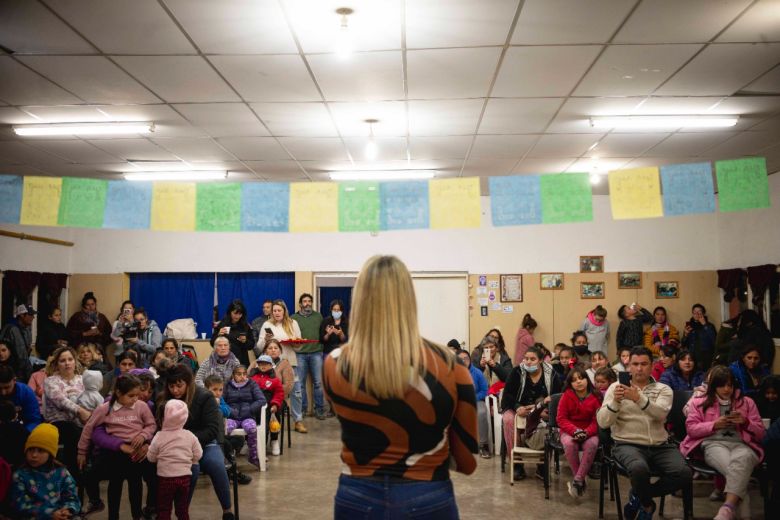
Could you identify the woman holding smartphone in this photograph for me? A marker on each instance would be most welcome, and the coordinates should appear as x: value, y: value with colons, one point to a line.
x: 236, y: 329
x: 334, y: 328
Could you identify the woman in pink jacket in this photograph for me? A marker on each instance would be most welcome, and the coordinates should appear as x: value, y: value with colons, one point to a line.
x: 729, y: 430
x: 524, y: 338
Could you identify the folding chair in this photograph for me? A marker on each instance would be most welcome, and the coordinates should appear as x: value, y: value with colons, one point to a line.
x: 262, y: 427
x: 494, y: 423
x: 519, y: 454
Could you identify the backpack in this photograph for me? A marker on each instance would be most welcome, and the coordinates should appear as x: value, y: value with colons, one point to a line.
x: 183, y: 328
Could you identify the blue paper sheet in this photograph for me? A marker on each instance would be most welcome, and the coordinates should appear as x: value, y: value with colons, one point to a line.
x: 687, y: 189
x: 515, y: 200
x: 128, y: 205
x: 403, y: 205
x: 265, y: 206
x: 10, y: 198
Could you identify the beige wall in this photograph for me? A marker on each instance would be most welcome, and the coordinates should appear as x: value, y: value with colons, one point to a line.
x: 561, y: 312
x: 110, y: 290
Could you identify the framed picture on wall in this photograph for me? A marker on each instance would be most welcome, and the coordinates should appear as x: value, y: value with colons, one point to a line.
x: 591, y: 290
x: 629, y: 280
x: 591, y: 264
x: 511, y: 287
x: 667, y: 289
x: 551, y: 281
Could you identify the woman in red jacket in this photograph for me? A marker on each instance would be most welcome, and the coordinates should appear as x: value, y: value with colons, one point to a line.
x: 577, y: 422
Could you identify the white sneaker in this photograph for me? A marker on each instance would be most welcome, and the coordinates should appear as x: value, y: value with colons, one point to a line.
x: 275, y: 447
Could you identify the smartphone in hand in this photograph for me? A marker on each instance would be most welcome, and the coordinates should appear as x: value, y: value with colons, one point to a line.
x: 624, y: 378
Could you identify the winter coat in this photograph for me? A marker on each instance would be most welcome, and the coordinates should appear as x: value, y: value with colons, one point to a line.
x: 673, y: 378
x: 39, y: 492
x: 49, y: 333
x: 500, y: 370
x: 630, y: 333
x: 658, y: 370
x: 657, y: 334
x: 286, y: 375
x: 480, y: 383
x: 515, y: 384
x: 173, y: 448
x: 244, y: 402
x: 238, y: 348
x: 26, y: 402
x: 271, y: 387
x: 205, y: 420
x: 574, y: 414
x: 742, y: 376
x: 82, y: 322
x: 598, y: 335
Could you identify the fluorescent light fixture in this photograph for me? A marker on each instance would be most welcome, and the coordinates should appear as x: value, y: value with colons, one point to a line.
x: 644, y: 122
x: 372, y: 150
x: 343, y: 43
x: 595, y: 178
x: 383, y: 175
x: 110, y: 128
x: 176, y: 176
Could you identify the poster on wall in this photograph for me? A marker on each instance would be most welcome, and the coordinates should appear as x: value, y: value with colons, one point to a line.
x: 483, y: 310
x: 511, y: 287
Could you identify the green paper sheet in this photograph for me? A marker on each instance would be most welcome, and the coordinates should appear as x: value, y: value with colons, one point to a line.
x: 566, y: 197
x: 218, y: 207
x: 82, y: 202
x: 742, y: 184
x: 358, y: 206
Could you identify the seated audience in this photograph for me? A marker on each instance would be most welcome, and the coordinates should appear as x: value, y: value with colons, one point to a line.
x: 16, y: 336
x: 624, y: 354
x: 630, y: 332
x: 494, y: 363
x: 51, y: 334
x: 566, y: 360
x: 88, y: 325
x: 147, y: 338
x: 282, y: 368
x: 125, y: 362
x: 265, y: 377
x: 597, y: 360
x: 699, y: 337
x: 22, y: 397
x: 480, y: 388
x: 661, y: 332
x: 749, y: 370
x: 751, y: 330
x: 244, y: 400
x: 603, y: 378
x: 596, y: 329
x: 221, y: 362
x: 524, y: 338
x: 666, y: 359
x: 174, y: 352
x: 581, y: 348
x: 13, y: 434
x: 683, y: 375
x: 767, y: 398
x: 36, y: 384
x: 772, y: 457
x: 91, y: 398
x: 90, y: 358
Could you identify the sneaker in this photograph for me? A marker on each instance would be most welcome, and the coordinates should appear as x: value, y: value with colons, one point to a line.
x: 484, y: 452
x: 300, y: 428
x: 572, y: 487
x: 243, y: 478
x: 725, y: 513
x: 228, y: 516
x: 595, y: 471
x: 275, y: 447
x: 93, y: 507
x: 632, y: 507
x: 320, y: 416
x: 717, y: 496
x: 580, y: 487
x: 644, y: 514
x: 519, y: 472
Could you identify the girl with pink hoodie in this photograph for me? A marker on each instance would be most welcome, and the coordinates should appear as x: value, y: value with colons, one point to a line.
x: 175, y: 450
x: 728, y: 428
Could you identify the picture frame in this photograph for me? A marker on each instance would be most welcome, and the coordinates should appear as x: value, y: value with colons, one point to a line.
x: 630, y: 280
x: 511, y: 287
x: 551, y: 281
x: 591, y: 264
x: 667, y: 289
x: 592, y: 290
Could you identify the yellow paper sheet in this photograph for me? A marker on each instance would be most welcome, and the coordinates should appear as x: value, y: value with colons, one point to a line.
x: 173, y: 206
x: 635, y: 193
x: 314, y: 207
x: 41, y: 201
x: 454, y: 203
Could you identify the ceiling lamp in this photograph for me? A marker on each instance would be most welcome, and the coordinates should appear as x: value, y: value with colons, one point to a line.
x: 372, y: 150
x: 343, y: 45
x: 650, y: 122
x: 102, y: 128
x: 194, y: 175
x: 383, y: 175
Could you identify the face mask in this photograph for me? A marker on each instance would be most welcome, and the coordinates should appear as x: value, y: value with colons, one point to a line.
x: 336, y: 315
x: 531, y: 368
x: 580, y: 349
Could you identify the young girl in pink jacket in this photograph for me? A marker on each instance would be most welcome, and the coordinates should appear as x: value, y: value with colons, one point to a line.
x: 729, y: 430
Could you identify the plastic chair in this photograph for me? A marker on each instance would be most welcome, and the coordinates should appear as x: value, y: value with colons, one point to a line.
x: 494, y: 423
x: 262, y: 428
x: 520, y: 454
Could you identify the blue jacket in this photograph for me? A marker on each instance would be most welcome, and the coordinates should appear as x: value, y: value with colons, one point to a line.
x: 30, y: 413
x: 224, y: 408
x: 674, y: 379
x: 740, y: 372
x: 480, y: 383
x: 244, y: 402
x: 38, y: 493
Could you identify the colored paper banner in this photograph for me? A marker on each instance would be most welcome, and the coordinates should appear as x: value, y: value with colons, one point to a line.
x: 742, y: 184
x: 218, y: 207
x: 566, y: 197
x: 635, y: 193
x: 515, y: 200
x: 11, y: 187
x: 173, y: 206
x: 455, y: 203
x: 265, y: 206
x: 358, y: 206
x: 128, y: 205
x: 403, y: 205
x: 314, y: 207
x: 83, y: 202
x: 688, y: 189
x: 41, y: 201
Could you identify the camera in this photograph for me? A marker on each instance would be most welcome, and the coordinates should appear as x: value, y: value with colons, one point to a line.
x: 130, y: 330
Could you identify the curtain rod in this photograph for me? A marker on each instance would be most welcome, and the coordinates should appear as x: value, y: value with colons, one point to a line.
x: 35, y: 238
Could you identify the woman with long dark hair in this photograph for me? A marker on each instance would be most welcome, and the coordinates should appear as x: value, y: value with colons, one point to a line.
x: 235, y: 327
x: 334, y: 330
x: 749, y: 370
x: 699, y: 337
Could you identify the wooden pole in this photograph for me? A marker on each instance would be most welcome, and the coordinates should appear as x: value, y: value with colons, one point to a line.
x: 35, y: 238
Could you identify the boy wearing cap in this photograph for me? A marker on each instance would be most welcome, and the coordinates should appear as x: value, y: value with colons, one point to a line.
x: 18, y: 336
x: 272, y: 388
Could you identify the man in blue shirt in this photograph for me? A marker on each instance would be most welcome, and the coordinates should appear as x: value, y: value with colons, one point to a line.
x: 22, y: 396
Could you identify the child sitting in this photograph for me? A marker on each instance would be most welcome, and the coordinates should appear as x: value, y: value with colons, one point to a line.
x: 42, y: 488
x: 604, y: 377
x: 175, y: 450
x: 598, y: 360
x: 91, y: 398
x: 667, y: 359
x: 266, y: 379
x: 624, y: 354
x: 244, y: 400
x: 216, y: 385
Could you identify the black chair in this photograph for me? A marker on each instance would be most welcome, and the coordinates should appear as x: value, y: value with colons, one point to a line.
x: 552, y: 443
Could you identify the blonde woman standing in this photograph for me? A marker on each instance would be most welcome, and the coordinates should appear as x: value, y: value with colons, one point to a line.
x: 407, y: 410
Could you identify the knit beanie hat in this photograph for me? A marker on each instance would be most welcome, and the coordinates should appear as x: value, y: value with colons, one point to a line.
x: 46, y: 437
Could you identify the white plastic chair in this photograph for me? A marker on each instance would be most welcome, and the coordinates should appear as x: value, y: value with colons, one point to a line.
x: 261, y: 427
x: 495, y: 423
x: 520, y: 454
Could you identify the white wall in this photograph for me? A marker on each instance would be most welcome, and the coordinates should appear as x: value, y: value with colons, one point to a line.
x: 28, y: 255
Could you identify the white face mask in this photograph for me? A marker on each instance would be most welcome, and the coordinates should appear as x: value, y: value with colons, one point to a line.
x: 336, y: 315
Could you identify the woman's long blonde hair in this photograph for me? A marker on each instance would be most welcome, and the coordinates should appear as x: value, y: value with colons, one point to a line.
x: 287, y: 322
x: 385, y: 349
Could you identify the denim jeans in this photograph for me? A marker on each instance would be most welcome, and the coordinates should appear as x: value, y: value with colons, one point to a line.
x: 311, y: 363
x: 296, y: 406
x: 212, y: 463
x: 390, y: 499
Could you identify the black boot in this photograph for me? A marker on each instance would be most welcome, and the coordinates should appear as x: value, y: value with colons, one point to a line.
x: 519, y: 472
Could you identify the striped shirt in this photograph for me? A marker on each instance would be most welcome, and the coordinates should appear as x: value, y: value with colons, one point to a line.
x: 417, y: 437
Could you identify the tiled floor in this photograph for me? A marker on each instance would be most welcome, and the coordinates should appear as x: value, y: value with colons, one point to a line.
x: 300, y: 486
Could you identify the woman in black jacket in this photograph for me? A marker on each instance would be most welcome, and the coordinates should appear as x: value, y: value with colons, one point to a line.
x: 51, y: 334
x: 334, y: 329
x: 236, y: 328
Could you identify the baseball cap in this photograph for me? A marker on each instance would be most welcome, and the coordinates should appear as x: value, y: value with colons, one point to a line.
x: 265, y: 359
x: 25, y: 309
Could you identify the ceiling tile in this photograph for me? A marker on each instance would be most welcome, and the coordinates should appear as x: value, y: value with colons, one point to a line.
x: 705, y: 74
x: 634, y: 70
x: 601, y: 165
x: 388, y: 148
x: 569, y: 21
x: 458, y: 23
x: 296, y: 119
x: 768, y: 83
x: 316, y: 148
x: 268, y: 78
x: 108, y: 171
x: 502, y: 146
x: 543, y: 71
x: 277, y: 171
x: 167, y: 122
x: 770, y: 124
x: 485, y: 167
x: 16, y: 152
x: 21, y: 86
x: 761, y: 23
x: 75, y: 151
x: 374, y: 25
x: 573, y: 117
x: 65, y: 114
x: 178, y: 79
x: 14, y: 116
x: 134, y: 149
x: 563, y: 145
x: 350, y: 118
x: 530, y: 165
x: 744, y: 143
x: 518, y: 116
x: 677, y: 105
x: 204, y: 149
x: 688, y: 144
x: 451, y: 73
x: 661, y: 21
x: 449, y: 117
x: 93, y: 78
x: 234, y: 26
x: 28, y: 27
x: 223, y: 119
x: 627, y: 145
x: 450, y: 147
x: 645, y: 162
x: 366, y: 76
x: 114, y: 26
x: 254, y: 148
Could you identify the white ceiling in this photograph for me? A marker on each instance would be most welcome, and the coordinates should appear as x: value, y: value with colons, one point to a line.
x: 470, y: 87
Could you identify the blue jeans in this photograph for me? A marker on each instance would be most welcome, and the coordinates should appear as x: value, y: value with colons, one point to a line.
x: 311, y: 363
x: 390, y: 499
x: 296, y: 408
x: 212, y: 463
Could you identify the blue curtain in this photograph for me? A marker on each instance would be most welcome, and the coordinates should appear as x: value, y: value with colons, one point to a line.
x: 253, y: 289
x: 170, y: 296
x: 328, y: 294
